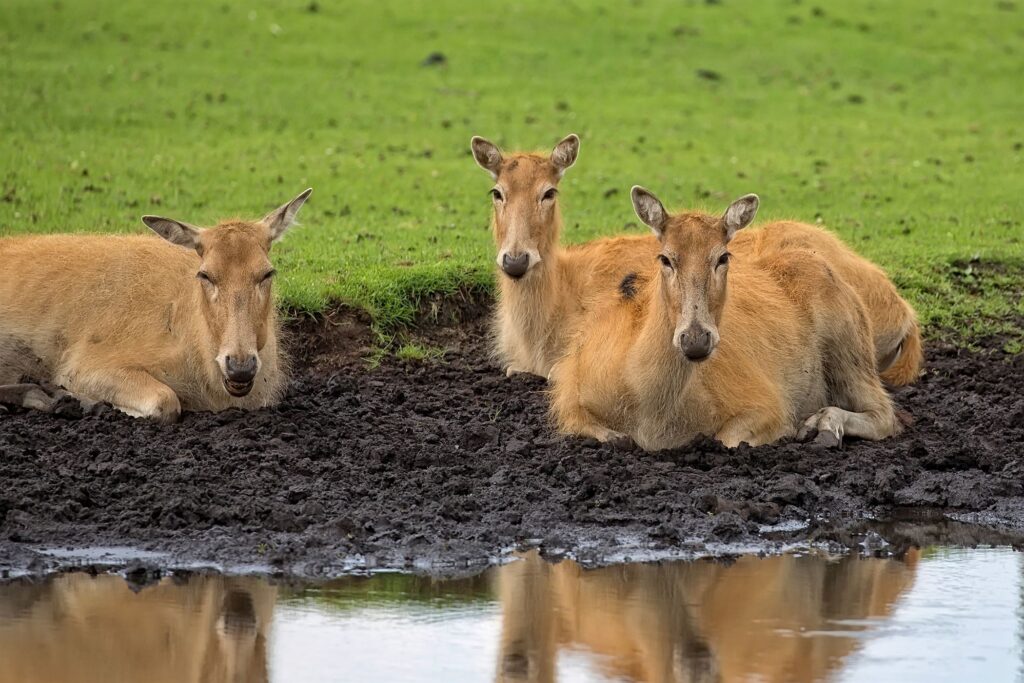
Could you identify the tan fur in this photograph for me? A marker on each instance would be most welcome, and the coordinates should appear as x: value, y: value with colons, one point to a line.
x: 535, y: 317
x: 897, y: 335
x: 536, y: 314
x: 792, y: 344
x: 695, y: 621
x: 125, y: 319
x: 76, y: 628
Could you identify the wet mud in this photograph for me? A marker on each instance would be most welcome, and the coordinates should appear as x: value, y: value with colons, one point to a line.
x: 447, y: 463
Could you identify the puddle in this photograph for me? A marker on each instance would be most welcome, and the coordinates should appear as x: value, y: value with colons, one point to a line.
x: 939, y: 614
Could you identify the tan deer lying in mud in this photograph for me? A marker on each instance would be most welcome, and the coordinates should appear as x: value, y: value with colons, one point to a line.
x: 77, y: 628
x: 787, y: 346
x: 543, y: 286
x: 687, y: 622
x: 152, y: 326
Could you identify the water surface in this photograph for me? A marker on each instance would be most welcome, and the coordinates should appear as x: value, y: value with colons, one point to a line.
x: 940, y: 614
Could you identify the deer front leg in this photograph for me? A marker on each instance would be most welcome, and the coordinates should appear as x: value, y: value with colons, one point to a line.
x: 579, y: 422
x: 29, y: 396
x: 512, y: 371
x: 759, y: 419
x: 130, y: 390
x: 751, y: 430
x: 743, y: 430
x: 572, y: 418
x: 832, y: 424
x: 605, y: 435
x: 43, y: 397
x: 855, y: 384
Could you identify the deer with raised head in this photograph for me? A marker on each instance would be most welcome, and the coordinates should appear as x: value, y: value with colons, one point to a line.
x: 152, y: 326
x: 745, y: 348
x: 543, y: 286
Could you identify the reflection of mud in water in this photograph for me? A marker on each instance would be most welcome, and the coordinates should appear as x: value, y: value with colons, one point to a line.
x: 754, y: 619
x: 75, y: 628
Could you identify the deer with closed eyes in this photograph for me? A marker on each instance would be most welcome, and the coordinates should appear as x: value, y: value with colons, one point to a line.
x: 748, y: 348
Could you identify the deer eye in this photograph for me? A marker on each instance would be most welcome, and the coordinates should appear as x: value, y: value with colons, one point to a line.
x: 550, y: 194
x: 496, y: 193
x: 664, y: 260
x: 205, y: 277
x: 269, y: 274
x: 723, y: 260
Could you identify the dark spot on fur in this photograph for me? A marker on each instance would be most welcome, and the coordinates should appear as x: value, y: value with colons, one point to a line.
x: 628, y: 286
x: 513, y: 164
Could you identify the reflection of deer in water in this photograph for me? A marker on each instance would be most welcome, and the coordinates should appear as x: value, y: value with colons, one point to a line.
x: 699, y: 621
x: 81, y: 629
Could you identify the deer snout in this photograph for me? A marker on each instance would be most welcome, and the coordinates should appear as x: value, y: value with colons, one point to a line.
x: 515, y: 266
x: 240, y: 373
x: 697, y: 342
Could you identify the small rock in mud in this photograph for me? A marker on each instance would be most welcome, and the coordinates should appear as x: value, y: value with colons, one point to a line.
x: 728, y: 526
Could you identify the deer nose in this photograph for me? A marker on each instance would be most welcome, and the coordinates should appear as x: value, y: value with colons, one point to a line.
x: 695, y: 342
x: 515, y: 266
x: 241, y: 370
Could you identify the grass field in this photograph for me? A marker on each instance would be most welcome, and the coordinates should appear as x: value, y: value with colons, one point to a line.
x: 898, y: 124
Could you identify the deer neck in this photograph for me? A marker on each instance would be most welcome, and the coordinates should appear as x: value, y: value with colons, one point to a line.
x: 662, y: 373
x: 197, y: 346
x: 533, y: 303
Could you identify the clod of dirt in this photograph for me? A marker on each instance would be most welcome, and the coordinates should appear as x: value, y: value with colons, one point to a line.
x: 729, y: 527
x: 435, y: 59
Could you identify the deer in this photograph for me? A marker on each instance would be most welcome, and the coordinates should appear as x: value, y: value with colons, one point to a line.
x: 542, y: 286
x: 76, y: 627
x: 747, y: 348
x: 181, y: 320
x: 685, y: 622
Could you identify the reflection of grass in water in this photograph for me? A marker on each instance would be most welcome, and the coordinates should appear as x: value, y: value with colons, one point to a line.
x: 352, y: 592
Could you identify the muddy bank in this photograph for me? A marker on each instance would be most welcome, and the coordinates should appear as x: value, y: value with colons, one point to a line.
x: 450, y: 462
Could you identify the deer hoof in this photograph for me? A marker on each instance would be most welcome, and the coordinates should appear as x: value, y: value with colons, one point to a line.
x: 827, y: 439
x: 166, y: 409
x: 618, y: 440
x: 825, y: 427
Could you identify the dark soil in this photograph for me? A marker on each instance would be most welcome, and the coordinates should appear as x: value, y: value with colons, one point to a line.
x: 438, y: 464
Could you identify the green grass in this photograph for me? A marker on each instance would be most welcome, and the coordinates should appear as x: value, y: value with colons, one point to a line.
x: 897, y: 124
x: 419, y: 352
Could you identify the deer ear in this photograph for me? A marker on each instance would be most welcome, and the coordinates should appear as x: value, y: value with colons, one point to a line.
x: 740, y: 214
x: 650, y: 210
x: 487, y: 155
x: 280, y: 219
x: 175, y: 232
x: 564, y: 155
